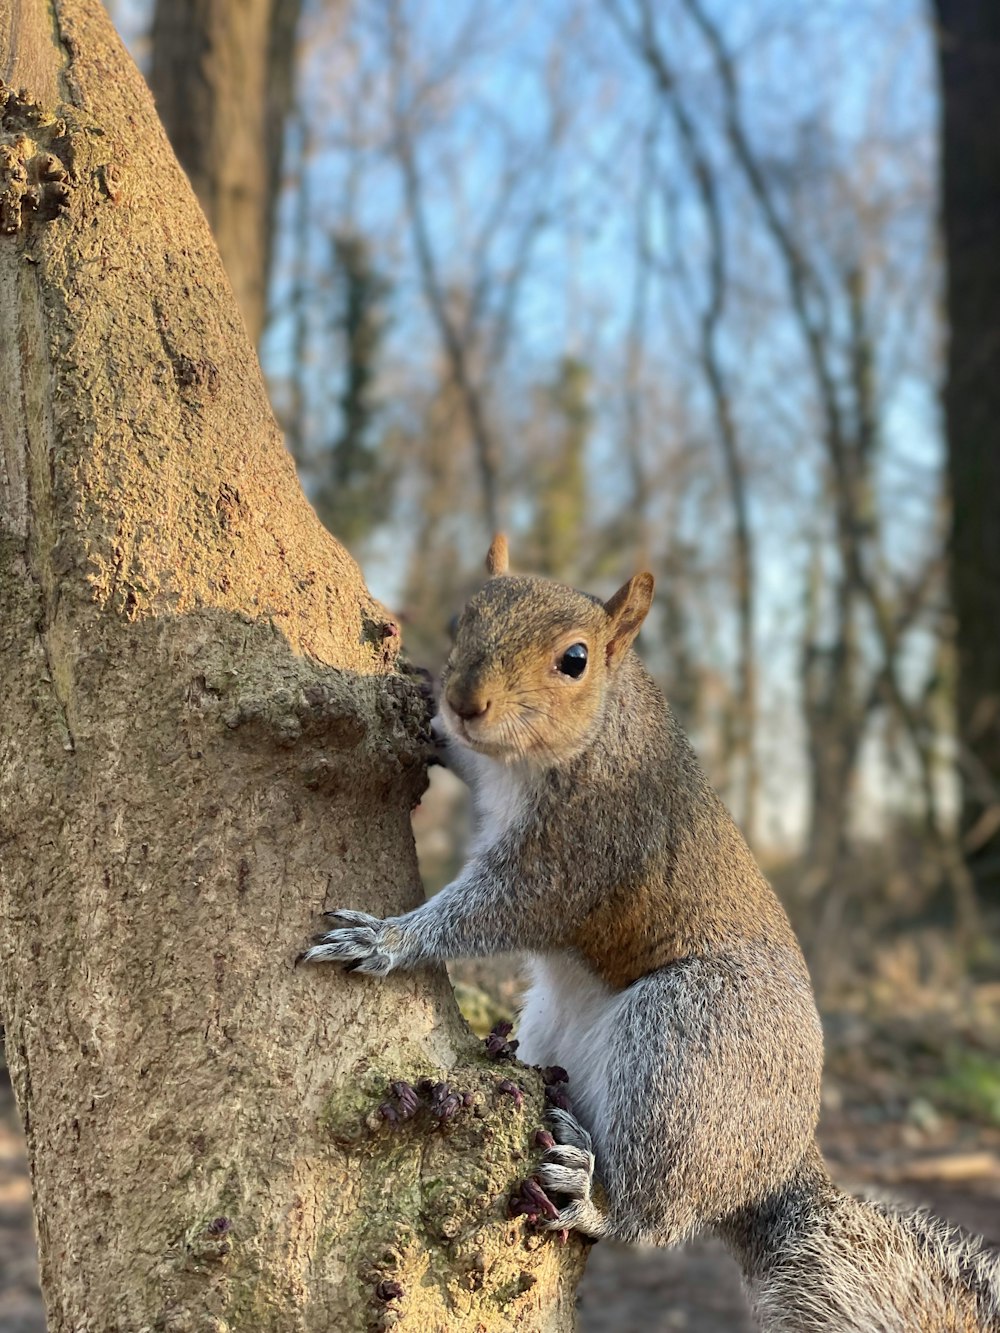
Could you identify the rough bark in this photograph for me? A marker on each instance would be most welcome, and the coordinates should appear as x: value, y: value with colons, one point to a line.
x: 969, y: 51
x: 222, y: 74
x: 203, y: 742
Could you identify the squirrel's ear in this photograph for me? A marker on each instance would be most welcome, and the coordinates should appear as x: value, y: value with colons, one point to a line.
x: 497, y: 561
x: 626, y: 611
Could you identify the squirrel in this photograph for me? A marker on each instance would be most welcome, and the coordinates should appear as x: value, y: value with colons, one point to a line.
x: 666, y: 977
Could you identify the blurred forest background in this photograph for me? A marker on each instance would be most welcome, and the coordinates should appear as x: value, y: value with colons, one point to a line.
x: 710, y: 287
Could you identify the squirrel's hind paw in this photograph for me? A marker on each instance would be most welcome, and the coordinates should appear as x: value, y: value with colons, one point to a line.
x: 567, y: 1171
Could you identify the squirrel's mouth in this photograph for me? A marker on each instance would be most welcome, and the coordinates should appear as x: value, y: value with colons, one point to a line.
x: 472, y: 736
x: 496, y: 738
x: 471, y: 732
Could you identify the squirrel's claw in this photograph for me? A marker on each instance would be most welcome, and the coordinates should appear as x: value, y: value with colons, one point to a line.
x: 349, y: 918
x: 530, y: 1200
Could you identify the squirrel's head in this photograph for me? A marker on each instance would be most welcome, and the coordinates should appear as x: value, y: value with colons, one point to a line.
x: 532, y: 663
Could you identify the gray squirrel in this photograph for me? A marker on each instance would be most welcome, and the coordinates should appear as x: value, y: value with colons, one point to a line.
x: 666, y: 978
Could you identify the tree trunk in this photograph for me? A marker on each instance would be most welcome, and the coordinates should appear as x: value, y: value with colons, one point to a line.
x: 969, y: 50
x: 222, y: 73
x: 203, y: 742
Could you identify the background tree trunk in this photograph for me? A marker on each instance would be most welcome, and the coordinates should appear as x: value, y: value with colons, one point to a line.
x: 222, y: 74
x: 203, y: 742
x: 969, y: 52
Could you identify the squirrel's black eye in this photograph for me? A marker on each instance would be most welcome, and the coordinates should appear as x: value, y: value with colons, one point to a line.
x: 573, y: 662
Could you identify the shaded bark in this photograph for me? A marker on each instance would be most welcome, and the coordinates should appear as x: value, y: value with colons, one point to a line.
x: 222, y: 73
x: 969, y: 55
x: 203, y: 742
x: 561, y: 480
x: 834, y: 729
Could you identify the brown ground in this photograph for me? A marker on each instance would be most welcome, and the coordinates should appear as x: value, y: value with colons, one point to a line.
x: 635, y: 1290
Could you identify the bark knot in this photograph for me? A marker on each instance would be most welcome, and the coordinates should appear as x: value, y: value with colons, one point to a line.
x: 196, y: 375
x: 34, y: 181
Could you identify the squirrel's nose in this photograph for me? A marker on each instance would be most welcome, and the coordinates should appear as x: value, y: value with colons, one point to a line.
x: 468, y: 708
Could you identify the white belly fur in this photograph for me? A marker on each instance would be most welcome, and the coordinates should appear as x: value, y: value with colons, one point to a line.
x: 566, y: 1019
x: 498, y: 795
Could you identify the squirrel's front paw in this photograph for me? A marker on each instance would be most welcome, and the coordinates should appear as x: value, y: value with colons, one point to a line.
x: 361, y: 942
x: 567, y: 1171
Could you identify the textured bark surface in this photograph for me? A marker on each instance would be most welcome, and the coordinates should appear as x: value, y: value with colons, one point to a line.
x: 969, y: 50
x: 222, y: 76
x: 203, y: 742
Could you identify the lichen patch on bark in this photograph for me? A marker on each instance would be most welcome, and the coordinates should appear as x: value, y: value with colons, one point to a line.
x: 437, y: 1248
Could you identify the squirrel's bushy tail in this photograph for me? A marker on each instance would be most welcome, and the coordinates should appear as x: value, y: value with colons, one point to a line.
x: 818, y: 1260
